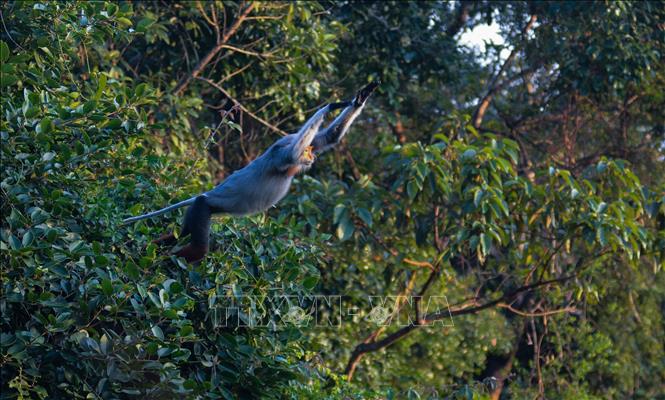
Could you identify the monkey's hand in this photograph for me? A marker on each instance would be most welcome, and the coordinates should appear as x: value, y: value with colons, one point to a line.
x: 339, y: 105
x: 364, y: 93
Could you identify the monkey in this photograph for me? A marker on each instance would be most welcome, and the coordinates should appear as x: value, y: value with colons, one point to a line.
x: 263, y: 182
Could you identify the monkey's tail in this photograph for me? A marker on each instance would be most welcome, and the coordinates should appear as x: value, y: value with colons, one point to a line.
x: 160, y: 212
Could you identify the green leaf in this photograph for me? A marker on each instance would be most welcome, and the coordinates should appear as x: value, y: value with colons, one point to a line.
x: 140, y: 89
x: 512, y: 153
x: 601, y: 167
x: 412, y: 189
x: 14, y: 242
x: 156, y: 300
x: 338, y: 211
x: 365, y: 215
x: 31, y: 112
x: 104, y: 344
x: 111, y: 9
x: 157, y: 331
x: 8, y: 79
x: 468, y: 155
x: 113, y: 123
x: 144, y: 24
x: 345, y: 229
x: 4, y: 51
x: 478, y: 197
x: 485, y: 243
x: 186, y: 330
x: 27, y: 239
x: 600, y: 236
x: 89, y: 106
x: 310, y: 282
x: 101, y: 86
x: 602, y: 206
x: 44, y: 125
x: 107, y: 287
x: 125, y: 22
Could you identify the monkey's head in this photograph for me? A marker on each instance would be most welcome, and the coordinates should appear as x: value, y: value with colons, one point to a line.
x: 306, y: 160
x: 284, y: 145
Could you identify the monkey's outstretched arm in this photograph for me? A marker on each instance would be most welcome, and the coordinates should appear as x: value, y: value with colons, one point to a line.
x: 331, y: 135
x: 309, y: 130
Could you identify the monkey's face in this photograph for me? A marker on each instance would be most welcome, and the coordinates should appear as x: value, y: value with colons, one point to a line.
x: 306, y: 159
x: 308, y: 156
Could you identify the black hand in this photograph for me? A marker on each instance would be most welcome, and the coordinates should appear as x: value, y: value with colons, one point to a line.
x: 364, y: 93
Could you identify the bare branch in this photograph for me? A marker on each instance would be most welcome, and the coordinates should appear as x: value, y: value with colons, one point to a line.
x: 474, y: 308
x: 243, y: 108
x: 204, y: 14
x: 494, y: 85
x: 247, y: 52
x: 206, y: 60
x: 236, y: 72
x: 2, y: 18
x: 363, y: 348
x: 510, y: 308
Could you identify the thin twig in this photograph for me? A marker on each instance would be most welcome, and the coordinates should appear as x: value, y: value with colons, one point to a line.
x: 2, y: 18
x: 206, y: 60
x: 494, y: 86
x: 537, y: 314
x: 247, y: 52
x: 243, y: 108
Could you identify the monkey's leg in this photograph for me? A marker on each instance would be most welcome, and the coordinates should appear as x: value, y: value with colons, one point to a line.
x: 197, y: 225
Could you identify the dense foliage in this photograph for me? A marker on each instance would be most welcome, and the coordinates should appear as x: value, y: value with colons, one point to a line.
x: 525, y: 192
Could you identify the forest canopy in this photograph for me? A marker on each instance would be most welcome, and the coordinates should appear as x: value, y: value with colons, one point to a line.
x: 493, y: 225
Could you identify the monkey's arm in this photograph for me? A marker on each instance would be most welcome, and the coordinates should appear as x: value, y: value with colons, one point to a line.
x: 327, y: 138
x: 306, y: 134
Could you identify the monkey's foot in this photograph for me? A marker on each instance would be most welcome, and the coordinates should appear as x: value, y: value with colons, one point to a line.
x: 192, y: 253
x: 167, y: 239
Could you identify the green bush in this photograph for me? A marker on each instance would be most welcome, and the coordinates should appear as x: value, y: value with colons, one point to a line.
x: 87, y: 309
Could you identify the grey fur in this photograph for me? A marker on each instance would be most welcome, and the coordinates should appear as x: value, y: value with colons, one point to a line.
x: 266, y: 180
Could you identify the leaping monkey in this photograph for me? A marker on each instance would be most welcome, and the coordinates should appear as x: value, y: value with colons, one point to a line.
x: 266, y: 180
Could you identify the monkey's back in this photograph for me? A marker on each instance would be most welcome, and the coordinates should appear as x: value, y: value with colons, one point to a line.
x: 252, y: 189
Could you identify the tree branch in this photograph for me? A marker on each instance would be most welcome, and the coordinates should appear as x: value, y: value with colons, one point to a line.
x: 355, y: 359
x: 494, y: 86
x: 363, y: 348
x: 243, y: 108
x: 220, y: 45
x: 510, y: 308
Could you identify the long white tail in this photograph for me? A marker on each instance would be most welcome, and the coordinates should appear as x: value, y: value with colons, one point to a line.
x: 160, y: 212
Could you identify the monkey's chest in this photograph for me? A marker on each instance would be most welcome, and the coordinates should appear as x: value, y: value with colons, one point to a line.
x: 293, y: 171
